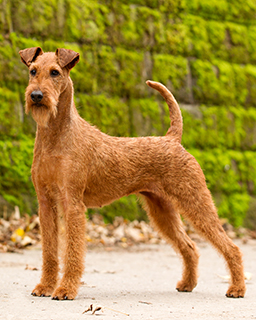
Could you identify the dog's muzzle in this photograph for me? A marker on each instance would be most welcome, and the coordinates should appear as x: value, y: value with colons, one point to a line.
x: 37, y: 96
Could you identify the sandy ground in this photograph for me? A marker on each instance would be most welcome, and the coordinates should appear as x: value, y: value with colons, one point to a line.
x: 139, y: 281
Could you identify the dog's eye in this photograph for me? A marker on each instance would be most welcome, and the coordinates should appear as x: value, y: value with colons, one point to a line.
x: 33, y: 72
x: 54, y: 73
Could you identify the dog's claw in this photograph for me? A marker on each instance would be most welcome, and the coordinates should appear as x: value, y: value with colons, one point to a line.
x: 55, y: 298
x: 33, y: 294
x: 185, y: 290
x: 42, y: 295
x: 66, y: 298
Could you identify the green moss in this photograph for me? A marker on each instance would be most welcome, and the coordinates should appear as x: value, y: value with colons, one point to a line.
x: 252, y: 43
x: 147, y: 117
x: 228, y: 175
x: 30, y: 19
x: 6, y: 17
x: 228, y: 171
x: 11, y: 113
x: 221, y: 127
x: 170, y: 70
x: 107, y: 71
x: 172, y: 38
x: 85, y: 21
x: 217, y: 38
x: 228, y: 10
x: 130, y: 73
x: 219, y: 83
x: 250, y: 218
x: 203, y: 51
x: 234, y: 208
x: 111, y: 115
x: 199, y: 43
x: 217, y: 9
x: 238, y: 43
x: 15, y: 178
x: 251, y: 84
x: 206, y: 87
x: 174, y: 6
x: 244, y: 14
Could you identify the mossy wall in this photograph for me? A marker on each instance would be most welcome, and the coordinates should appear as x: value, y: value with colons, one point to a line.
x: 204, y: 51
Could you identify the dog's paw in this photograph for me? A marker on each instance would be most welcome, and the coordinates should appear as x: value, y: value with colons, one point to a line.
x: 42, y: 291
x: 62, y: 293
x: 183, y: 286
x: 236, y: 291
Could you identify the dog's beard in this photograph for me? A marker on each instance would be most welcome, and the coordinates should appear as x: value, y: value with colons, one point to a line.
x: 42, y: 112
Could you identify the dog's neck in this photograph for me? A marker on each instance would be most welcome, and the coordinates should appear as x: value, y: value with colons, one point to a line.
x: 66, y: 115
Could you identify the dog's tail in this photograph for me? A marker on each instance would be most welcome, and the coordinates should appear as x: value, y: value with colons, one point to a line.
x: 175, y: 114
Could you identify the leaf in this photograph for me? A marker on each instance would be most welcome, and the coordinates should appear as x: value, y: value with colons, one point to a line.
x: 94, y: 308
x: 17, y: 235
x: 28, y: 267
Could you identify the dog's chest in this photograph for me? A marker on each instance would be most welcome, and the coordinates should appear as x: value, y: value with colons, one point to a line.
x: 47, y: 169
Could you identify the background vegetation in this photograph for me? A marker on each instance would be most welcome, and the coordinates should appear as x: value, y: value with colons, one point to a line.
x: 204, y: 51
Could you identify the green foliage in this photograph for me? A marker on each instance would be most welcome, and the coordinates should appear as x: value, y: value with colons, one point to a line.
x: 203, y: 51
x: 230, y: 10
x: 172, y: 72
x: 220, y: 127
x: 252, y: 43
x: 85, y: 21
x: 250, y: 219
x: 10, y: 113
x: 234, y: 208
x: 200, y: 46
x: 146, y: 117
x: 219, y: 83
x: 15, y: 178
x: 228, y: 172
x: 216, y: 9
x: 239, y: 43
x: 228, y: 176
x: 109, y: 114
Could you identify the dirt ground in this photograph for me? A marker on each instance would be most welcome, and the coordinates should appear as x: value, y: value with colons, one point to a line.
x: 139, y: 281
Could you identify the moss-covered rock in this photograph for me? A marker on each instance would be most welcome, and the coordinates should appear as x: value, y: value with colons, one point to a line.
x: 219, y: 83
x: 110, y: 115
x: 222, y: 127
x: 15, y: 177
x: 203, y: 51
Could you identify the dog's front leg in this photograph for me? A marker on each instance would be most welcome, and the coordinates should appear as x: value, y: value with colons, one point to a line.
x: 75, y: 223
x: 49, y: 232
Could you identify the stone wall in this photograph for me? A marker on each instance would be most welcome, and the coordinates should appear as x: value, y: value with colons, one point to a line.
x: 204, y: 51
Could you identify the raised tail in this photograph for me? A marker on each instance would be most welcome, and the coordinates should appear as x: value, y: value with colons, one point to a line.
x: 175, y: 114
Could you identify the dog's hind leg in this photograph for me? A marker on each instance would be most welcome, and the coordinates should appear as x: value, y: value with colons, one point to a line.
x: 197, y: 206
x: 168, y: 223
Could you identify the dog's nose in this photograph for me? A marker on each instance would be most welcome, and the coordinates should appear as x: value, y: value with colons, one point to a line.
x: 37, y: 96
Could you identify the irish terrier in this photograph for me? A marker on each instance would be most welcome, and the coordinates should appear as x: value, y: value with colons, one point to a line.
x: 76, y: 166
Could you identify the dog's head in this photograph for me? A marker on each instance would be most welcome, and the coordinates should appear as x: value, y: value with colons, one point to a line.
x: 49, y: 77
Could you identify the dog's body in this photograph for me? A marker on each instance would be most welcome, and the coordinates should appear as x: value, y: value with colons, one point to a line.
x: 77, y: 167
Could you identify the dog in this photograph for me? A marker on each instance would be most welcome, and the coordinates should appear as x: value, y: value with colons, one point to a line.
x: 76, y: 166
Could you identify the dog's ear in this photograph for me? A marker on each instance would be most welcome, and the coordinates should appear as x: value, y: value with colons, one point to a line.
x: 67, y: 58
x: 29, y: 55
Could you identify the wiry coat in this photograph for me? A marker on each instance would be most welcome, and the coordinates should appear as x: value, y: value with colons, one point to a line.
x: 76, y: 166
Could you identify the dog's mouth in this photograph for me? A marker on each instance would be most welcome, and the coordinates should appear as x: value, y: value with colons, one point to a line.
x: 39, y: 105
